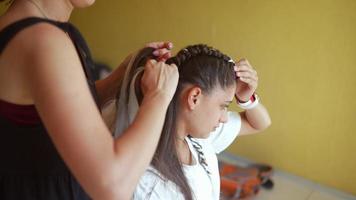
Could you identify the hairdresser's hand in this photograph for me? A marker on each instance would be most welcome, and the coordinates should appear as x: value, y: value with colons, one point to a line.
x: 159, y: 78
x: 247, y: 80
x: 163, y: 50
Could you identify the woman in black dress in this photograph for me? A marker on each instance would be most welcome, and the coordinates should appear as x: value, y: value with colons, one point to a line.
x: 54, y: 143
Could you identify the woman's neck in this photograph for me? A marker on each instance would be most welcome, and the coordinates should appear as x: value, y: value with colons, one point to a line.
x: 57, y: 10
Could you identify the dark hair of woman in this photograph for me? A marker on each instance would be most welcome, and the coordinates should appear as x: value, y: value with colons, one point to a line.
x: 198, y: 65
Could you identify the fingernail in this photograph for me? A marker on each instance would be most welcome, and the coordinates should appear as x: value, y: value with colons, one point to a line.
x: 156, y: 53
x: 170, y: 45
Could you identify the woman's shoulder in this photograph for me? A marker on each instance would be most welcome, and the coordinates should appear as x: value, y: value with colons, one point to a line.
x: 36, y: 45
x: 45, y: 35
x: 27, y: 34
x: 38, y: 38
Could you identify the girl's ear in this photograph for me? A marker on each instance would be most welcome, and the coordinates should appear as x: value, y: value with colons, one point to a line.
x: 194, y: 97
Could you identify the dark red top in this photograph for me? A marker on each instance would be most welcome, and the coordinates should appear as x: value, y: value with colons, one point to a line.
x: 31, y: 167
x: 19, y: 114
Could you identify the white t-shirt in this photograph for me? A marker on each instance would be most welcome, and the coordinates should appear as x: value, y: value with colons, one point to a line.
x: 153, y: 186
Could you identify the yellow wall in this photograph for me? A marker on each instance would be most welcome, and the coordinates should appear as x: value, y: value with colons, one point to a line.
x: 304, y: 51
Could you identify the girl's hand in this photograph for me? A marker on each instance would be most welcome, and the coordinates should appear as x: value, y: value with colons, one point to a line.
x: 247, y: 80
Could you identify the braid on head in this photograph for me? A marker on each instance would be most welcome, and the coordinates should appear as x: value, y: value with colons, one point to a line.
x: 204, y: 66
x: 198, y: 50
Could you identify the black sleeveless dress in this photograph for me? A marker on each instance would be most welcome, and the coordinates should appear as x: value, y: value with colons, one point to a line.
x: 30, y: 166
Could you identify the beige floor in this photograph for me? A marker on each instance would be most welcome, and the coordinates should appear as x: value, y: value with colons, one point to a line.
x: 290, y: 187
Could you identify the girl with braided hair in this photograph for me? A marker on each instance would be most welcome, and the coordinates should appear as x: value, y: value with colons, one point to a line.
x: 197, y: 124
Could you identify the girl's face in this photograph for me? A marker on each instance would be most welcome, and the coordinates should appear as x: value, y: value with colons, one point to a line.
x: 210, y: 111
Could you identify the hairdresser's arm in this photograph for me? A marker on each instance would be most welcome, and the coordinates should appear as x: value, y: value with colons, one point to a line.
x: 108, y: 87
x: 256, y: 119
x: 106, y: 168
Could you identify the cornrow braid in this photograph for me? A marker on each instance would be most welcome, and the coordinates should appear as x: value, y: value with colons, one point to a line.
x: 187, y: 53
x: 204, y: 66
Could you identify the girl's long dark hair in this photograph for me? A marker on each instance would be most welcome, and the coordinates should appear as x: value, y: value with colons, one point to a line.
x: 199, y: 65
